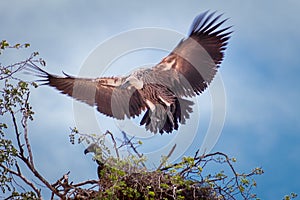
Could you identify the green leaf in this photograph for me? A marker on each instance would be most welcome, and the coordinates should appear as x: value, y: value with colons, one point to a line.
x: 4, y: 44
x: 17, y: 46
x: 151, y: 193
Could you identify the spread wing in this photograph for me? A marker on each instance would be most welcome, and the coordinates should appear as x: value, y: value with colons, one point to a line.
x: 104, y: 93
x: 192, y: 65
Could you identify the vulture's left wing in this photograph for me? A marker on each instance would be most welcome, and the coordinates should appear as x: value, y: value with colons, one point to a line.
x: 192, y: 65
x: 104, y: 93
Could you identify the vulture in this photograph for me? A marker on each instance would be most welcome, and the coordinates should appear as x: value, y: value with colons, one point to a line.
x: 159, y: 93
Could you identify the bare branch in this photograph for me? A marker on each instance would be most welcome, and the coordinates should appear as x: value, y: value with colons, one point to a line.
x: 91, y: 182
x: 168, y: 156
x: 114, y: 141
x: 16, y: 67
x: 24, y: 124
x: 26, y: 160
x: 20, y: 146
x: 19, y: 174
x: 128, y: 142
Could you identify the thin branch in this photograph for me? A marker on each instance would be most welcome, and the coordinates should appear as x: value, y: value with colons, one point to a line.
x: 201, y: 158
x: 58, y: 182
x: 27, y: 161
x: 232, y: 169
x: 40, y: 177
x: 128, y: 141
x: 91, y: 182
x: 114, y: 141
x: 21, y: 150
x: 24, y: 124
x: 21, y: 65
x: 19, y: 174
x: 168, y: 156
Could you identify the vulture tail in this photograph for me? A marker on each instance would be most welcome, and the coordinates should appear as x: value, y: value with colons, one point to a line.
x: 154, y: 120
x: 163, y: 119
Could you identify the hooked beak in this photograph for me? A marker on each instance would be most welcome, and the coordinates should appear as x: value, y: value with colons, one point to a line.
x: 86, y: 151
x: 91, y: 148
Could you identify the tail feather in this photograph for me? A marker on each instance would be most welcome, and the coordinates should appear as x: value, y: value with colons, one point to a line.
x: 163, y: 119
x: 183, y: 110
x: 146, y: 119
x: 155, y: 120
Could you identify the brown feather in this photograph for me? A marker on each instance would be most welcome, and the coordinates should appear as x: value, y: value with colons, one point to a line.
x: 196, y: 58
x: 103, y: 93
x: 186, y: 71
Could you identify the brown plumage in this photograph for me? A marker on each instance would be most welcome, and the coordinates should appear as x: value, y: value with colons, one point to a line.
x: 185, y: 72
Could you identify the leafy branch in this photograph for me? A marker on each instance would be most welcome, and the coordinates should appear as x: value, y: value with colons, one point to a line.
x: 14, y: 104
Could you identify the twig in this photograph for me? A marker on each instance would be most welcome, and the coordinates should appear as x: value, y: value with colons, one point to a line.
x: 21, y: 150
x: 114, y: 141
x: 24, y: 124
x: 128, y: 141
x: 61, y: 179
x: 20, y: 175
x: 133, y: 147
x: 21, y: 65
x: 211, y: 155
x: 232, y: 169
x: 86, y: 183
x: 168, y: 156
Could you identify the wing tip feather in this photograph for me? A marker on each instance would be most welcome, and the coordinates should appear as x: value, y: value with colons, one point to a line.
x: 207, y: 23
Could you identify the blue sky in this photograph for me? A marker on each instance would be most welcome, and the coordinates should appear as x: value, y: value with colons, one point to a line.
x: 260, y: 75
